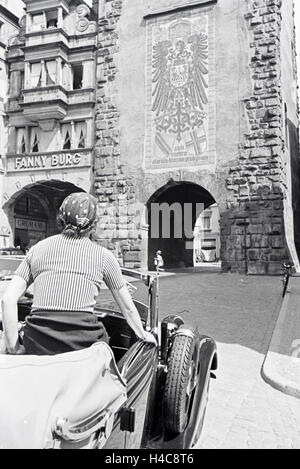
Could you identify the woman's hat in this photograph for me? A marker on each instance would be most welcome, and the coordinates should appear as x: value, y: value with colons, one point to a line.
x: 78, y: 211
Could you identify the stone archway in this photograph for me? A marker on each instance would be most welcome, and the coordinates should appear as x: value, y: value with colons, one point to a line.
x: 32, y: 210
x: 171, y: 215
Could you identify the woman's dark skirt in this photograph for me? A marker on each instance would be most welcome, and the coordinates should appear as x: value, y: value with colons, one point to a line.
x: 53, y: 332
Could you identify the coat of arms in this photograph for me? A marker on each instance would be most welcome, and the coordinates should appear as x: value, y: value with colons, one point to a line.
x: 180, y: 67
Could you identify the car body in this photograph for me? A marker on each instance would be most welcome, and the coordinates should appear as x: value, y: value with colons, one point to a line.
x: 11, y: 251
x: 167, y: 384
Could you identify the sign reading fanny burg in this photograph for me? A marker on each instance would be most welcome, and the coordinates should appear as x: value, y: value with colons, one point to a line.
x: 180, y: 107
x: 48, y: 161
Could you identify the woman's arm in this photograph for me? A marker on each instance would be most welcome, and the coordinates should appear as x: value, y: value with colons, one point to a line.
x: 14, y: 291
x: 128, y: 309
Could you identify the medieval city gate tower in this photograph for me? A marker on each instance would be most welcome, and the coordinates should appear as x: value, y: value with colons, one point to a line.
x: 199, y: 92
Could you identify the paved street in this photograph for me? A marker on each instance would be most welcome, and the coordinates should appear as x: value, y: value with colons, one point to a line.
x: 240, y: 313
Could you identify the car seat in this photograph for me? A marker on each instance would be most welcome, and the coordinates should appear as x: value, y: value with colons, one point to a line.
x: 60, y: 401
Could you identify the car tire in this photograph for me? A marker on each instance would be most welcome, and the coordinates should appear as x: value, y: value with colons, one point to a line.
x: 181, y: 380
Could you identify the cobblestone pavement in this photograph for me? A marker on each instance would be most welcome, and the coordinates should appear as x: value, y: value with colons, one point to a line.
x: 240, y: 313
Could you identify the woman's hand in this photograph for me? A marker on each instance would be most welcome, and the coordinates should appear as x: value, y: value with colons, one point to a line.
x: 18, y: 350
x: 149, y: 338
x: 2, y: 344
x: 13, y: 292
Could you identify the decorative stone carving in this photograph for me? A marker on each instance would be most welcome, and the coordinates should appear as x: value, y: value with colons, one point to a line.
x: 83, y: 23
x: 20, y: 37
x: 180, y: 92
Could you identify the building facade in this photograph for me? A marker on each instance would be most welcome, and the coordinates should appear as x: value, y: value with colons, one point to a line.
x: 50, y: 114
x: 162, y: 109
x: 9, y: 26
x: 206, y: 113
x: 207, y: 242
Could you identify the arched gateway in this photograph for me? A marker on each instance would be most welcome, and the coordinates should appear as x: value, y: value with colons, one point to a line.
x: 32, y: 211
x: 172, y: 213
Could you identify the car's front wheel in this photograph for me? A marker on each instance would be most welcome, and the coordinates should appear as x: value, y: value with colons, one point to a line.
x: 181, y: 381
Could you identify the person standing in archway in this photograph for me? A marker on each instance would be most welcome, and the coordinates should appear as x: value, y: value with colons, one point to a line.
x: 67, y: 270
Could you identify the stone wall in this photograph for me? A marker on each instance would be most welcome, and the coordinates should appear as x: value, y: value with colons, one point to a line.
x: 253, y: 232
x: 114, y: 189
x: 249, y: 179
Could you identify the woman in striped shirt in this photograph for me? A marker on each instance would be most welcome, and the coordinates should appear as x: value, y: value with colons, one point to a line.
x: 67, y: 270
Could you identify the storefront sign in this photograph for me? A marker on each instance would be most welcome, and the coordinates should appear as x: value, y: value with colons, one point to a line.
x: 26, y: 224
x: 48, y: 161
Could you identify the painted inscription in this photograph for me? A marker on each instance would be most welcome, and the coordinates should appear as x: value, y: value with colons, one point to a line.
x: 47, y: 161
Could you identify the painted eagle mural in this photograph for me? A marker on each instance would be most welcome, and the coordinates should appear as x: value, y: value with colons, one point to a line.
x: 180, y: 70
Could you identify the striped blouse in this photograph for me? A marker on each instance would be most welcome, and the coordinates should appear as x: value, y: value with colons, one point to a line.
x: 67, y: 273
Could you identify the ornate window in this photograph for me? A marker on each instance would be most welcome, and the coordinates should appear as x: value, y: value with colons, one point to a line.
x: 21, y: 140
x: 23, y: 145
x: 77, y: 76
x: 51, y: 17
x: 81, y: 143
x: 36, y: 75
x: 80, y: 134
x: 66, y: 136
x: 50, y: 72
x: 67, y: 142
x: 35, y: 148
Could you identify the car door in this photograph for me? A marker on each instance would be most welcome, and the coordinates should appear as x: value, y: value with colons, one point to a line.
x: 139, y: 371
x: 139, y: 366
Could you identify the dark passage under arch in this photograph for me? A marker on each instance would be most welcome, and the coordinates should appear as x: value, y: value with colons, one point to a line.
x: 34, y: 210
x: 172, y: 213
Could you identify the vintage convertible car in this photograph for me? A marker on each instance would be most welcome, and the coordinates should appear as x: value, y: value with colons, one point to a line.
x: 154, y: 397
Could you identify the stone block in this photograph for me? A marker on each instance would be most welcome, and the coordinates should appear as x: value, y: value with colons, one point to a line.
x: 276, y: 242
x: 259, y: 241
x: 131, y: 256
x: 275, y: 268
x: 237, y: 230
x: 256, y: 229
x: 257, y: 268
x: 253, y: 254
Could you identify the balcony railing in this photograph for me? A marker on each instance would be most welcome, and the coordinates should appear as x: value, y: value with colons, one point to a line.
x: 46, y: 36
x: 45, y: 103
x: 47, y: 93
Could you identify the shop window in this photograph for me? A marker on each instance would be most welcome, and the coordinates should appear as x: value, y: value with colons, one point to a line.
x: 51, y: 18
x: 77, y: 71
x: 67, y: 142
